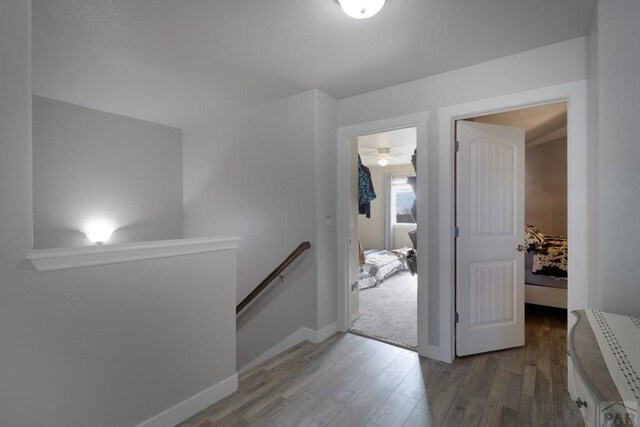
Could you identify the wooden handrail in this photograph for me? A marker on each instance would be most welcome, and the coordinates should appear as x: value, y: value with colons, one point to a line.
x: 275, y: 273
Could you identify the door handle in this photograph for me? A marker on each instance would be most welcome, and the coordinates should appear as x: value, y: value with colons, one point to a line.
x: 522, y: 248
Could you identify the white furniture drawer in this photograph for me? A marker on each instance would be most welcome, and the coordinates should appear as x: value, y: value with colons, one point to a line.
x: 585, y: 401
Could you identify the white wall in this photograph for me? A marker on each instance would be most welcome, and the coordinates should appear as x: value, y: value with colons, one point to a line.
x: 326, y: 239
x: 546, y: 186
x: 550, y: 65
x: 90, y: 164
x: 103, y: 346
x: 267, y: 176
x: 401, y: 235
x: 593, y: 126
x: 615, y: 84
x: 371, y: 230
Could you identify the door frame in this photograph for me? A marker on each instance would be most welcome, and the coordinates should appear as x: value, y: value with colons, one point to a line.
x: 343, y: 191
x: 575, y: 95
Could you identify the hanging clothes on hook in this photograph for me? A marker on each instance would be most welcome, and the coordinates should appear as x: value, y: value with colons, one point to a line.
x: 366, y: 192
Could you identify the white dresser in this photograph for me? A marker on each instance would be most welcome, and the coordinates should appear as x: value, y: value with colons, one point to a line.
x: 602, y: 364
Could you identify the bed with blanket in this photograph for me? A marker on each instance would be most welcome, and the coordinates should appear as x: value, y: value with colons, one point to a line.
x: 545, y: 268
x: 379, y: 264
x: 366, y: 280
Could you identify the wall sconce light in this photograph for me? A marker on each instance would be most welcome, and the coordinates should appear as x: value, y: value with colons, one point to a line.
x: 99, y: 231
x: 361, y: 9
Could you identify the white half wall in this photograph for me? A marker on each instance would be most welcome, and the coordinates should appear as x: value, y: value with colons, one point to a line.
x: 100, y: 346
x: 88, y: 165
x: 267, y: 176
x: 547, y: 66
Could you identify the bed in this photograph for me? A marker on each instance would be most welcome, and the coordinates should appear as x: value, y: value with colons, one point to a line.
x: 366, y: 280
x: 545, y: 269
x: 381, y: 264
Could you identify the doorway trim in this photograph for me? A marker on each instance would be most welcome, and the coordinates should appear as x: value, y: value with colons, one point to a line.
x: 575, y: 95
x: 344, y: 161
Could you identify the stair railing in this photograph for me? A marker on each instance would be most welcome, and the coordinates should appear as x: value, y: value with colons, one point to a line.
x: 271, y: 277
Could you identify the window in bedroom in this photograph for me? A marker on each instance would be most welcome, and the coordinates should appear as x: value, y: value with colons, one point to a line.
x: 402, y: 198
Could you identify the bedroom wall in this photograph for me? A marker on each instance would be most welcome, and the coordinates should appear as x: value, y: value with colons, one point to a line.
x: 401, y: 235
x: 104, y: 346
x: 263, y: 175
x: 546, y: 186
x: 550, y: 65
x: 615, y: 84
x: 90, y: 164
x: 371, y: 230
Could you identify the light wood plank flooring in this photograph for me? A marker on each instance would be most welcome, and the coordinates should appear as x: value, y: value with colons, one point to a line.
x: 349, y: 380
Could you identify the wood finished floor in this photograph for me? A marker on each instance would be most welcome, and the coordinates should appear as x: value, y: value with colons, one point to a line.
x: 349, y: 380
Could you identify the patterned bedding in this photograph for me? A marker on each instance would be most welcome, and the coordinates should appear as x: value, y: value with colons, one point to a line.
x: 550, y: 258
x: 366, y: 281
x: 533, y: 237
x: 382, y: 263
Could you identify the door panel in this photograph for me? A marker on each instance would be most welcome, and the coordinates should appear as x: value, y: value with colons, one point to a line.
x: 490, y: 220
x: 491, y: 171
x: 491, y: 293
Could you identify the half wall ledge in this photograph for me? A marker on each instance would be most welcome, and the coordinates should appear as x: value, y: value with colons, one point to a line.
x: 88, y: 256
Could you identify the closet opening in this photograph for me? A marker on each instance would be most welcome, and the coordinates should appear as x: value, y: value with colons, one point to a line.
x: 384, y: 294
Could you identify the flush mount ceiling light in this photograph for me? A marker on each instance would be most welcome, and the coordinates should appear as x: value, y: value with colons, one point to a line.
x: 383, y: 156
x: 361, y: 9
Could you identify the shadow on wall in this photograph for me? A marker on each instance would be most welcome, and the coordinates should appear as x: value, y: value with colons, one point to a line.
x: 143, y: 230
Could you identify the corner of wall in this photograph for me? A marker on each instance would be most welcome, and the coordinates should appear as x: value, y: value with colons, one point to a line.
x: 593, y: 73
x: 326, y: 112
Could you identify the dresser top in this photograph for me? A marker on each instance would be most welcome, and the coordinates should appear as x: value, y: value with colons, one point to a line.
x: 588, y: 361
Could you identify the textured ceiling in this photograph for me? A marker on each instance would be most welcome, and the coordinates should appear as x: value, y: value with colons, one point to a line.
x: 180, y: 62
x: 400, y: 142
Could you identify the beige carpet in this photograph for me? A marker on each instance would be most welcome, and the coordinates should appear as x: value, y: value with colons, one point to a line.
x: 390, y: 311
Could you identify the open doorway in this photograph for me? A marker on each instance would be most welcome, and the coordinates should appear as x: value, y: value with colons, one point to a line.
x: 512, y: 224
x: 385, y: 298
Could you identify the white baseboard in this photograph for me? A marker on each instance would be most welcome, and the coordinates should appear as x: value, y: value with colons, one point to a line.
x: 302, y: 334
x: 322, y: 334
x: 437, y: 353
x: 193, y: 405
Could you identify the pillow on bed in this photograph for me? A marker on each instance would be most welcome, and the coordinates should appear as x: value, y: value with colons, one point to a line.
x: 550, y: 259
x: 366, y: 280
x: 533, y: 237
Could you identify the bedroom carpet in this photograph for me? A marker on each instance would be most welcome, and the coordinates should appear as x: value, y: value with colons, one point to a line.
x: 390, y: 311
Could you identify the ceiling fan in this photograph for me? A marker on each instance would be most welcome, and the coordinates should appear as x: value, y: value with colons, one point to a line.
x: 384, y: 155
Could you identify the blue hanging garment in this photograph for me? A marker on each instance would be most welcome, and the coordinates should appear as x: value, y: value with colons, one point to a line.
x: 366, y: 193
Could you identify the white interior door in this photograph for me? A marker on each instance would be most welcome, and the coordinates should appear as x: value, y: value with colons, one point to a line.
x: 489, y: 251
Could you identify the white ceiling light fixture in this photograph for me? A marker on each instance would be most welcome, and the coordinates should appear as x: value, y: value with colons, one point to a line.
x: 361, y: 9
x: 383, y: 156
